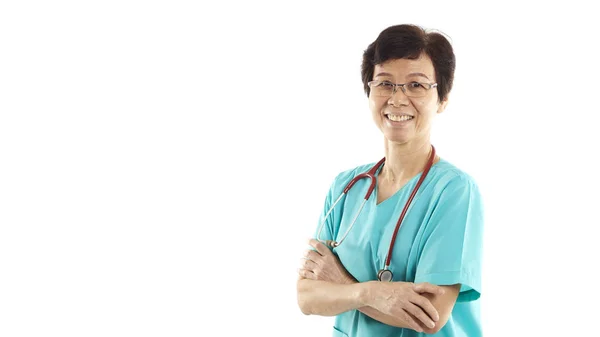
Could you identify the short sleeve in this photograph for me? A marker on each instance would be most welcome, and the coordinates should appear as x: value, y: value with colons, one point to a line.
x: 453, y: 240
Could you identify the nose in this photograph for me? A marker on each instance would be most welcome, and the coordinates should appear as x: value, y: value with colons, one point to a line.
x: 398, y: 97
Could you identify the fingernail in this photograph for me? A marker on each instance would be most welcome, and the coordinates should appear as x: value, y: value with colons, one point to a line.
x: 431, y: 325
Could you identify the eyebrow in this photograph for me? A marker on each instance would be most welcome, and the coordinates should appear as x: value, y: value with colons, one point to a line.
x: 411, y: 74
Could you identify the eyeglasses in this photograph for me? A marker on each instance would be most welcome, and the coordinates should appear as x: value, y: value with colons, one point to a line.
x: 410, y: 89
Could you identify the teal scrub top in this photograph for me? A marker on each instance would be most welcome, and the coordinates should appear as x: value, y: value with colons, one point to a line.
x: 439, y: 241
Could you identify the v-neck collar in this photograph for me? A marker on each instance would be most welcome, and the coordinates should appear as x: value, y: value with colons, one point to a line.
x: 401, y: 189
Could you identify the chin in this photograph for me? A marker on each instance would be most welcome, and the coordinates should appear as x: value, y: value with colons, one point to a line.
x: 395, y: 138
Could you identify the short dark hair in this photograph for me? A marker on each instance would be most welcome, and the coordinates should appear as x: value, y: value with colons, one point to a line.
x: 410, y: 42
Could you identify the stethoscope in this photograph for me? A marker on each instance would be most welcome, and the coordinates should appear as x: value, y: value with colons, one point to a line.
x: 384, y: 274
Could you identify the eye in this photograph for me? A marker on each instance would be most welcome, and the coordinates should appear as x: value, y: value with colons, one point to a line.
x: 414, y: 85
x: 386, y: 85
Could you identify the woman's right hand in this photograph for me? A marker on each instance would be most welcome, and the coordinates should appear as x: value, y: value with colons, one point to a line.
x: 399, y: 299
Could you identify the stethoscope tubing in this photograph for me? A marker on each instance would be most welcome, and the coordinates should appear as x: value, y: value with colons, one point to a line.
x: 385, y: 273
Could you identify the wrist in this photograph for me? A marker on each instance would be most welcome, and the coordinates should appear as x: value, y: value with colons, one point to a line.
x: 349, y: 280
x: 365, y: 293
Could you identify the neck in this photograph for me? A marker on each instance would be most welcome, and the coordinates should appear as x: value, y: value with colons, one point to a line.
x: 404, y: 161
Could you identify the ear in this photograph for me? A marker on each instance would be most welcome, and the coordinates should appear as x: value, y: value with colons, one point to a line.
x: 442, y: 105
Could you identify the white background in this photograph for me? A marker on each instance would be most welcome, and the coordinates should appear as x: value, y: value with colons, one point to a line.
x: 162, y: 164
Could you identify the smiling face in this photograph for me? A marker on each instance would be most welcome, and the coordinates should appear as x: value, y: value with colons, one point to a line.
x: 403, y: 119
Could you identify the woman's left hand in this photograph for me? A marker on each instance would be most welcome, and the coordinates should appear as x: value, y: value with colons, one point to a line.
x: 323, y: 265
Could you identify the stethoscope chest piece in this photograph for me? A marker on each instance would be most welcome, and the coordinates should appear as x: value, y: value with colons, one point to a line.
x: 385, y: 275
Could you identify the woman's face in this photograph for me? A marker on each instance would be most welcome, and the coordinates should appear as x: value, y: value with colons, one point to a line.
x: 418, y: 111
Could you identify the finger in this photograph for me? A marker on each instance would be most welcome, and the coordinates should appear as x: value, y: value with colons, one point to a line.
x: 418, y: 313
x: 411, y: 321
x: 319, y: 246
x: 426, y: 287
x: 313, y: 256
x: 426, y: 306
x: 308, y: 265
x: 307, y: 274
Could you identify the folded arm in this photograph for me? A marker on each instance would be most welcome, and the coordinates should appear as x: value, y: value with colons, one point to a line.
x: 443, y: 304
x: 317, y: 297
x: 442, y: 301
x: 396, y: 303
x: 326, y: 288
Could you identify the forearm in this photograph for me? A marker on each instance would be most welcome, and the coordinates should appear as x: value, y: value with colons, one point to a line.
x: 374, y: 313
x: 383, y: 318
x: 328, y: 299
x: 400, y: 320
x: 378, y: 315
x: 326, y: 288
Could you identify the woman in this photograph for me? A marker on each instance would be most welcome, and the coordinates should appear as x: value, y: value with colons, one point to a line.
x: 425, y: 278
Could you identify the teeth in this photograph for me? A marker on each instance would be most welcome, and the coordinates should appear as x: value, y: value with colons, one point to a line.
x: 398, y: 118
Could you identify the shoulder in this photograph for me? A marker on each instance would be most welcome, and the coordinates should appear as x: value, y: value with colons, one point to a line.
x: 348, y: 174
x: 342, y: 178
x: 446, y: 176
x: 454, y: 190
x: 454, y: 202
x: 443, y: 177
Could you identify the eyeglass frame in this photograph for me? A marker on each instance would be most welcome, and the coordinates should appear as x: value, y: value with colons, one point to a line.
x: 402, y: 86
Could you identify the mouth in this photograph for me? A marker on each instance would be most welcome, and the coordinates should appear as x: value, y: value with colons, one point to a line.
x: 399, y: 118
